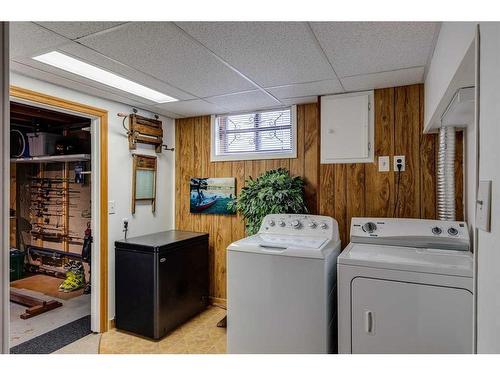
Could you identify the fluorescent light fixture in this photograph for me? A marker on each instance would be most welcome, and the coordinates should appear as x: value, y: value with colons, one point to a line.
x: 72, y: 65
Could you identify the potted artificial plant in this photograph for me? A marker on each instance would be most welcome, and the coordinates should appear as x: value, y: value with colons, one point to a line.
x: 274, y: 192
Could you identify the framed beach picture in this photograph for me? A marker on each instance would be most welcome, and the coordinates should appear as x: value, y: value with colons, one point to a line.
x: 212, y: 195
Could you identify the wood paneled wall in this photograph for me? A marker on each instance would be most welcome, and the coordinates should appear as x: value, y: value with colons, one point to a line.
x: 338, y: 190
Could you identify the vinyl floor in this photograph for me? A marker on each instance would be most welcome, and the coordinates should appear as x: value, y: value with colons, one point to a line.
x: 200, y: 335
x: 86, y: 345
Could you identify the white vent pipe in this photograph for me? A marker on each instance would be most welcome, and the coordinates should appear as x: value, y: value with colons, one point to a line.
x: 446, y: 174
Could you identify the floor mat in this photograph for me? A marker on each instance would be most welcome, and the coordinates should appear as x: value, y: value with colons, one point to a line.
x: 51, y: 341
x: 22, y: 330
x: 48, y: 285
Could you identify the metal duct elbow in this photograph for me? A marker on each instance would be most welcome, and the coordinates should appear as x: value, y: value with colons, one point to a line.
x: 446, y: 174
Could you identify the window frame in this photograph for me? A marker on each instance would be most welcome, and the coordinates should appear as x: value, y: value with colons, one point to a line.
x: 292, y: 154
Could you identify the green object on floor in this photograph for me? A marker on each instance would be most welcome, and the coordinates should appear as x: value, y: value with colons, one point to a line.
x: 75, y: 277
x: 16, y: 265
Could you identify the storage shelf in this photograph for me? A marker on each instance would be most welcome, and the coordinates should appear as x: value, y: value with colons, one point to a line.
x: 52, y: 159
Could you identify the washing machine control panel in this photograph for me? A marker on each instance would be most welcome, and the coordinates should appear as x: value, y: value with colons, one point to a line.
x: 436, y: 234
x: 303, y: 224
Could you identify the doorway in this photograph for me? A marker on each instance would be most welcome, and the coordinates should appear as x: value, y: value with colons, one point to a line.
x: 60, y: 201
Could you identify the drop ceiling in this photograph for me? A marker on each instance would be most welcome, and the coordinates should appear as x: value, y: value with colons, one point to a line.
x: 217, y: 67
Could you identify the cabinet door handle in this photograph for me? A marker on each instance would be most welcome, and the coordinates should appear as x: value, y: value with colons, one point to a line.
x: 369, y: 322
x: 163, y: 260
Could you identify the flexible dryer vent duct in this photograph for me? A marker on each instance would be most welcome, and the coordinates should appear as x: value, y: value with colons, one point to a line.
x: 446, y: 173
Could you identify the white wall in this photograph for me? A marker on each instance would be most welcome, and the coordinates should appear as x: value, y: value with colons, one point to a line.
x: 120, y: 172
x: 488, y: 281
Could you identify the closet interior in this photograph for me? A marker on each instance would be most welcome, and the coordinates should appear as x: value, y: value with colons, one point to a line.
x: 50, y: 220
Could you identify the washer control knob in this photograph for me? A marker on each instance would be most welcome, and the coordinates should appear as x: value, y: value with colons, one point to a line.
x: 271, y: 223
x: 323, y: 226
x: 295, y: 224
x: 369, y: 227
x: 281, y: 223
x: 452, y: 231
x: 312, y: 225
x: 437, y: 230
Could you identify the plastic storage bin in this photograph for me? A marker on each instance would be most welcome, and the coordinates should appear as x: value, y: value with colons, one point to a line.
x: 16, y: 265
x: 42, y: 144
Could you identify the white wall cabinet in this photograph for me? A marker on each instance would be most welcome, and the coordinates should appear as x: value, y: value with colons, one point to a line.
x: 347, y: 128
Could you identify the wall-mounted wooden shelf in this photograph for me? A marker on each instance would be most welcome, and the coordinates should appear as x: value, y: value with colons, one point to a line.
x: 52, y: 159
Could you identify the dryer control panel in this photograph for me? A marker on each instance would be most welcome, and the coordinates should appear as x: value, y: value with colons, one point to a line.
x: 433, y: 234
x: 303, y: 224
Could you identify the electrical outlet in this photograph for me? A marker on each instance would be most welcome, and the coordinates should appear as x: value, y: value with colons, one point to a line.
x: 383, y: 164
x: 125, y: 226
x: 399, y: 160
x: 111, y: 207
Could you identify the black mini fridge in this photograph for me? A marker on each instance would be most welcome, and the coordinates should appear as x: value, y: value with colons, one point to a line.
x: 161, y: 281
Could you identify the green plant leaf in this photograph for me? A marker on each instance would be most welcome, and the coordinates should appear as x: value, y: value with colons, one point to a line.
x: 273, y: 192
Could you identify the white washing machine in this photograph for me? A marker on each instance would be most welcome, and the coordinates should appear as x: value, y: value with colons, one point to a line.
x: 405, y: 286
x: 281, y: 287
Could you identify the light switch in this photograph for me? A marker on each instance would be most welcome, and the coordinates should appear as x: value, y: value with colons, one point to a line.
x: 483, y: 206
x: 111, y: 207
x: 383, y: 164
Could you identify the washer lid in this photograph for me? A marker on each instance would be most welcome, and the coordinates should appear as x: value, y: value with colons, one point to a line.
x: 436, y: 261
x: 286, y: 245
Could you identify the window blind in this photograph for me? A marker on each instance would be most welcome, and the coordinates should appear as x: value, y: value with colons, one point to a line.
x: 255, y: 133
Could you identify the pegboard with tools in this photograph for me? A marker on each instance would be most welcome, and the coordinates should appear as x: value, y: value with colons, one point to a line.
x: 55, y: 205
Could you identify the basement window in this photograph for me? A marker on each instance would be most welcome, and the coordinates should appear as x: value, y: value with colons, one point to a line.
x: 266, y: 134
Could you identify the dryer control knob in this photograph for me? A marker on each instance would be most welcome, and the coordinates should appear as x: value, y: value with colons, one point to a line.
x: 437, y: 230
x: 323, y: 226
x: 452, y: 231
x: 369, y: 227
x: 281, y: 223
x: 296, y: 224
x: 271, y: 223
x: 312, y: 225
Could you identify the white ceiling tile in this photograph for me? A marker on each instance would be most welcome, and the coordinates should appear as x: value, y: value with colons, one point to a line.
x: 270, y: 53
x: 28, y: 39
x: 300, y: 100
x: 250, y: 100
x: 75, y: 30
x: 356, y: 48
x: 306, y: 89
x: 393, y: 78
x: 197, y: 107
x: 164, y: 51
x: 62, y: 81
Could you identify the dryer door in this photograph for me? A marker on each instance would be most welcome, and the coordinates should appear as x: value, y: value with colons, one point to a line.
x: 398, y: 317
